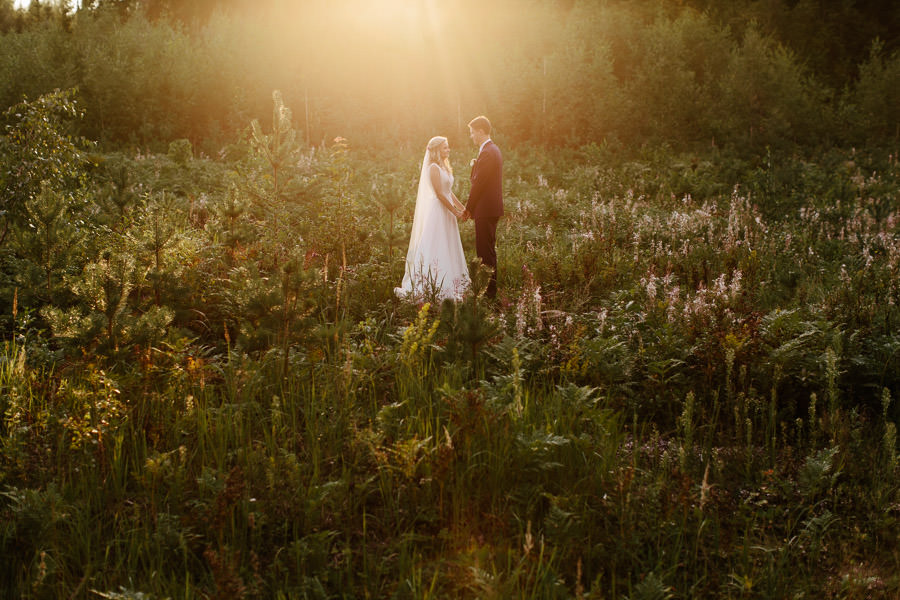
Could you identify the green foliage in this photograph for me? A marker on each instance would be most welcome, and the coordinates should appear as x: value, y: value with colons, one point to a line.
x: 180, y: 152
x: 44, y: 219
x: 872, y: 113
x: 683, y: 389
x: 469, y: 325
x: 39, y: 150
x: 49, y: 241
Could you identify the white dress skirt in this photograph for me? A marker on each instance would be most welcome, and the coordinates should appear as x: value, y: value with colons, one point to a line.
x: 435, y: 261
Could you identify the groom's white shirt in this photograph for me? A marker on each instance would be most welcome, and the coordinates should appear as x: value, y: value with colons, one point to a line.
x: 485, y: 143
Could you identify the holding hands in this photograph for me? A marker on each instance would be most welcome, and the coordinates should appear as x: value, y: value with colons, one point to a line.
x: 459, y: 210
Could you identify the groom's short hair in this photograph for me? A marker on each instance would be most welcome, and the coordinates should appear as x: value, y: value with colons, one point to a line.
x: 481, y: 123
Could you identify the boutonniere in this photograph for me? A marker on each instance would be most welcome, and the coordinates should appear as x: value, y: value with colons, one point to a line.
x: 472, y: 162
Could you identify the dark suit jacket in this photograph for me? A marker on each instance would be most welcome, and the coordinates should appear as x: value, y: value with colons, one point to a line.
x: 486, y: 193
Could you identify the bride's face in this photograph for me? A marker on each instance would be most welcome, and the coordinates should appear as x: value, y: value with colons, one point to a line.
x: 444, y: 151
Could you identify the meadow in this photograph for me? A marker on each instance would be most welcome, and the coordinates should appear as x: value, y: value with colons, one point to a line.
x: 686, y: 387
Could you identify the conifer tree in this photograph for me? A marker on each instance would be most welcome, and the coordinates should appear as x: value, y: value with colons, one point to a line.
x: 102, y: 314
x: 154, y: 234
x: 48, y: 240
x: 390, y: 199
x: 469, y: 325
x: 230, y: 224
x: 269, y: 187
x: 9, y: 18
x: 268, y: 289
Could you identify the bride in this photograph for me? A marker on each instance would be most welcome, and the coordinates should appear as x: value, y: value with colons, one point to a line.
x: 435, y: 262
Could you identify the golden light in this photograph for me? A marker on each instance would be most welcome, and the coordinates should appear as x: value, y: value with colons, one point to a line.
x: 390, y: 15
x: 392, y: 21
x: 380, y: 65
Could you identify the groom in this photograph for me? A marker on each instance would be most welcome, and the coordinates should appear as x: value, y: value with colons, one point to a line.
x: 485, y: 204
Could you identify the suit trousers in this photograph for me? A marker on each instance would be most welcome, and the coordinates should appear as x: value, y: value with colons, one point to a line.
x: 486, y: 248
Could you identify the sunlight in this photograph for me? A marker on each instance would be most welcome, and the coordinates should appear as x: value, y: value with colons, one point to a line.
x: 390, y: 16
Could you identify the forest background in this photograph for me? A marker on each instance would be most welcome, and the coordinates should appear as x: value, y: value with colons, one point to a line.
x: 742, y: 75
x: 687, y: 387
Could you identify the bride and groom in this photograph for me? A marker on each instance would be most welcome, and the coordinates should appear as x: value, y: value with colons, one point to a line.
x: 435, y: 261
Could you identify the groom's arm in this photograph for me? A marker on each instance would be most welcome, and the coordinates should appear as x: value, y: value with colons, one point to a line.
x: 471, y: 203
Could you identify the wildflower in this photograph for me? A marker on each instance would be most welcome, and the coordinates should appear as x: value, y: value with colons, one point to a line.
x: 649, y: 284
x: 735, y: 287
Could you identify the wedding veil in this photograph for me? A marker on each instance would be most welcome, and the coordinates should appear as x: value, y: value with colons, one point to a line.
x: 426, y: 202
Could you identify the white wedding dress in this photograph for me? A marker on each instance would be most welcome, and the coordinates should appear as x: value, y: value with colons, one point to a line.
x: 435, y: 262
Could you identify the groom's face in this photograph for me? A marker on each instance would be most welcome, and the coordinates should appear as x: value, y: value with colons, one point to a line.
x: 476, y: 135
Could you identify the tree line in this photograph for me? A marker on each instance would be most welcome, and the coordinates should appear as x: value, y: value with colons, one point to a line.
x: 695, y: 73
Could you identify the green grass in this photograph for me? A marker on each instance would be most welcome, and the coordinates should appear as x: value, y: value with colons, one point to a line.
x: 675, y: 397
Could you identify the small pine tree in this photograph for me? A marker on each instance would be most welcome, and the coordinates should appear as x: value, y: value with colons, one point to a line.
x: 154, y: 234
x: 116, y: 200
x: 47, y: 241
x: 468, y: 325
x: 390, y: 199
x: 231, y: 225
x: 269, y: 186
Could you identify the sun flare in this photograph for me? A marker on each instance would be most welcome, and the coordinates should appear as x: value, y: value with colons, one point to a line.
x: 393, y: 21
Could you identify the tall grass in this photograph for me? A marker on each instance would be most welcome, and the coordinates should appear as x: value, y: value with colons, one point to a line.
x: 675, y: 396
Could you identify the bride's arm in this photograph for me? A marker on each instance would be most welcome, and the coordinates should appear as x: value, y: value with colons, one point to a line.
x: 459, y: 205
x: 434, y: 172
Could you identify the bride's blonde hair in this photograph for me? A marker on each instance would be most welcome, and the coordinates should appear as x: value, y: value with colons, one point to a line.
x: 434, y: 152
